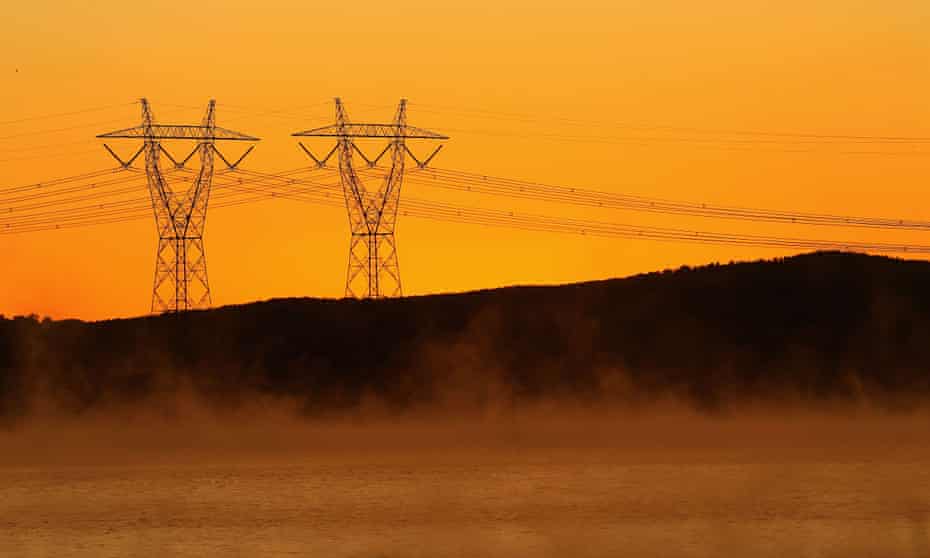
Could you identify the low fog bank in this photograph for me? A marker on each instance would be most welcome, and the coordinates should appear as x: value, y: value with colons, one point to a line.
x: 182, y: 427
x: 822, y: 333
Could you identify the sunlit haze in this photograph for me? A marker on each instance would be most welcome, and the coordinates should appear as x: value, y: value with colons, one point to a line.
x: 642, y: 98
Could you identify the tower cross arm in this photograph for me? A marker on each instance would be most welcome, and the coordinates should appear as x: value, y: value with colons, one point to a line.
x: 180, y: 132
x: 372, y: 130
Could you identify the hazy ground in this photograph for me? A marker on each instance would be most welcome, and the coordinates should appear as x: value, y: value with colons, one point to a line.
x: 177, y: 480
x: 182, y: 426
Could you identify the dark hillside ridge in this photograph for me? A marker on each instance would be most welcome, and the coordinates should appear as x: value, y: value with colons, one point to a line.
x: 815, y: 328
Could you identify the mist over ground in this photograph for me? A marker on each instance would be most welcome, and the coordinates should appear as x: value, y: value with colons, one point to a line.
x: 821, y: 333
x: 761, y: 409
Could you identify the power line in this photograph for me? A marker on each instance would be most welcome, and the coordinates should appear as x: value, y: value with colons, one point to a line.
x: 548, y: 119
x: 717, y: 144
x: 64, y: 190
x: 256, y: 186
x: 484, y: 184
x: 48, y: 146
x: 57, y: 181
x: 543, y: 223
x: 62, y: 114
x: 59, y: 155
x: 64, y: 129
x: 113, y: 212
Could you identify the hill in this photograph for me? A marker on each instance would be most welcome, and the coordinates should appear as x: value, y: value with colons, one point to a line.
x: 811, y: 329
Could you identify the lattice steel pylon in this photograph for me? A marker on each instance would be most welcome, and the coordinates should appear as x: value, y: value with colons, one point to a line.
x: 180, y: 216
x: 373, y: 270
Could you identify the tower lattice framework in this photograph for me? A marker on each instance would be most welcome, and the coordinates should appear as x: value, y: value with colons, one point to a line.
x: 181, y: 281
x: 373, y: 270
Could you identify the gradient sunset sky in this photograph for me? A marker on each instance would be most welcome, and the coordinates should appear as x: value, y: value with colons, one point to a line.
x: 633, y: 97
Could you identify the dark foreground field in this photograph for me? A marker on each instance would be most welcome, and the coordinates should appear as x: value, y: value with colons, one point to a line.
x: 817, y: 330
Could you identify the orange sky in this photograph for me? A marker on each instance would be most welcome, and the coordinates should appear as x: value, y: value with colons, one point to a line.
x: 830, y: 67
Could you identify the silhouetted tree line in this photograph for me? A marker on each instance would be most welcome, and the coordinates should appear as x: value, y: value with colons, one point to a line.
x: 813, y: 328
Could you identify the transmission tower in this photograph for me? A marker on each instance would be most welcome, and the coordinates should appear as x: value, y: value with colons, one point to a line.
x: 373, y: 271
x: 180, y: 215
